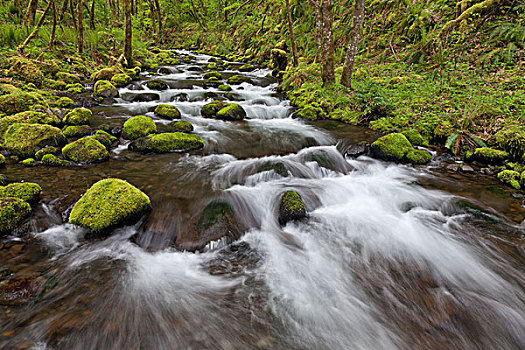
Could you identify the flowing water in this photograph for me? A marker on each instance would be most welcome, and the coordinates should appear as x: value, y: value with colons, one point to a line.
x: 390, y: 257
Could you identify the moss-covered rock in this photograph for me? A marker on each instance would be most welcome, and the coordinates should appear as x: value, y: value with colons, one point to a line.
x: 291, y: 207
x: 76, y: 131
x: 26, y: 70
x: 68, y: 78
x: 232, y: 111
x: 29, y: 162
x: 278, y: 60
x: 511, y: 178
x: 134, y: 73
x: 85, y: 150
x: 212, y: 82
x: 225, y: 87
x: 104, y: 138
x: 396, y: 147
x: 47, y: 150
x: 64, y: 102
x: 157, y: 84
x: 237, y: 79
x: 137, y: 127
x: 215, y: 75
x: 19, y: 102
x: 488, y: 155
x: 277, y: 167
x: 415, y: 137
x: 512, y: 140
x: 12, y: 212
x: 52, y: 160
x: 167, y: 142
x: 167, y: 112
x: 309, y: 112
x: 211, y: 109
x: 106, y: 73
x: 211, y: 66
x: 75, y: 88
x: 78, y: 116
x: 182, y: 126
x: 24, y: 139
x: 418, y: 156
x: 121, y: 80
x: 108, y: 204
x: 104, y: 89
x: 26, y: 191
x: 28, y: 117
x: 2, y: 160
x: 246, y: 68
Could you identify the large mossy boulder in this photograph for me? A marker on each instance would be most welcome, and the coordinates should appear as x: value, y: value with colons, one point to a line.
x: 104, y: 89
x: 74, y: 131
x: 167, y: 142
x: 237, y: 79
x: 106, y: 73
x: 104, y: 138
x: 246, y: 68
x: 278, y: 60
x: 108, y: 204
x: 26, y: 191
x: 28, y: 117
x: 68, y: 78
x: 17, y: 102
x: 232, y: 111
x: 396, y: 147
x: 512, y: 140
x: 511, y: 178
x: 488, y: 155
x: 167, y: 112
x: 24, y: 139
x: 85, y: 150
x: 291, y: 207
x: 157, y: 84
x: 137, y: 127
x: 121, y: 80
x: 182, y: 126
x: 78, y: 116
x: 26, y: 70
x: 210, y: 110
x: 12, y: 212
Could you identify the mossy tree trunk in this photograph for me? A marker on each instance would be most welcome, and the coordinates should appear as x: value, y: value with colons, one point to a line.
x: 128, y: 53
x: 353, y: 44
x: 328, y: 74
x: 35, y: 30
x: 159, y: 20
x: 292, y: 36
x: 318, y: 30
x: 479, y: 7
x: 80, y: 26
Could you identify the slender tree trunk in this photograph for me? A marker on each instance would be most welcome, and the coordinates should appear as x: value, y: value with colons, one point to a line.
x: 74, y: 12
x: 80, y: 26
x: 92, y: 15
x: 318, y: 31
x: 63, y: 10
x: 152, y: 15
x: 31, y: 12
x: 353, y: 44
x: 292, y: 36
x: 159, y: 19
x: 53, y: 31
x: 328, y: 74
x: 197, y: 16
x: 225, y: 12
x: 35, y: 30
x: 128, y: 54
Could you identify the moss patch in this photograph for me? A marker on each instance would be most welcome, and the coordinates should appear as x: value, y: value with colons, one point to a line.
x: 237, y: 79
x: 26, y: 191
x: 488, y: 155
x: 137, y: 127
x: 182, y: 126
x: 396, y: 147
x: 44, y: 151
x: 511, y: 178
x: 108, y: 204
x: 12, y: 212
x: 25, y: 139
x: 85, y: 150
x: 167, y: 111
x: 28, y: 117
x: 157, y: 84
x: 68, y: 78
x: 232, y: 111
x: 52, y: 160
x: 104, y: 89
x: 121, y: 79
x: 19, y: 102
x: 76, y: 131
x: 291, y: 207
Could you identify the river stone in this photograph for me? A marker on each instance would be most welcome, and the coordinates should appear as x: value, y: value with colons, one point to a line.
x: 24, y: 139
x: 20, y: 289
x: 291, y: 207
x: 167, y: 142
x: 104, y: 88
x: 137, y: 127
x: 12, y: 212
x: 85, y: 150
x: 28, y: 117
x: 108, y: 204
x: 167, y: 112
x: 27, y: 191
x: 157, y: 84
x: 78, y: 116
x: 145, y: 97
x: 182, y: 97
x: 232, y: 111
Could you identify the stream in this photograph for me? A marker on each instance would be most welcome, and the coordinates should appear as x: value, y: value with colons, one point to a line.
x: 390, y: 257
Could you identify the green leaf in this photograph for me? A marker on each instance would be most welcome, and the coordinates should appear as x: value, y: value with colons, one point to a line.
x: 451, y: 141
x: 478, y: 141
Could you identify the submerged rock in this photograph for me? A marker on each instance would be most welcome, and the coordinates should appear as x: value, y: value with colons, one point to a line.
x: 12, y: 212
x: 291, y: 207
x: 85, y: 150
x: 19, y: 290
x: 24, y: 139
x: 137, y: 127
x: 167, y: 111
x: 108, y: 204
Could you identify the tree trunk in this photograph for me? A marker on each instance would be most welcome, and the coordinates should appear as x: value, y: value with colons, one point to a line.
x: 35, y: 30
x: 152, y: 16
x: 53, y: 31
x: 31, y: 12
x: 353, y: 44
x: 159, y: 19
x: 92, y: 16
x: 318, y: 31
x: 328, y: 74
x: 128, y: 54
x: 63, y: 10
x: 292, y: 36
x: 80, y: 26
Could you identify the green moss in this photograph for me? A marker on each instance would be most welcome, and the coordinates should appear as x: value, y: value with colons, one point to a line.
x: 26, y: 70
x: 134, y: 73
x: 214, y: 212
x: 232, y: 111
x: 26, y: 191
x: 171, y: 61
x: 68, y: 78
x: 490, y: 156
x: 76, y: 131
x: 393, y: 146
x: 75, y: 88
x: 64, y: 102
x: 182, y: 126
x: 25, y: 139
x: 104, y: 89
x: 278, y: 60
x: 28, y: 162
x: 511, y: 178
x: 291, y: 207
x: 12, y: 212
x: 28, y: 117
x: 121, y: 79
x: 225, y: 88
x: 210, y: 110
x: 444, y: 129
x: 85, y: 150
x: 78, y: 116
x: 44, y: 151
x: 19, y: 102
x: 215, y: 75
x: 176, y: 141
x: 108, y: 204
x: 157, y: 84
x: 415, y: 137
x: 237, y: 79
x: 212, y: 65
x: 2, y: 160
x: 212, y: 81
x: 246, y: 68
x: 309, y: 112
x: 167, y: 111
x: 512, y: 140
x: 106, y: 73
x: 418, y: 156
x: 137, y: 127
x: 104, y: 138
x: 52, y: 160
